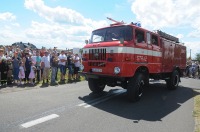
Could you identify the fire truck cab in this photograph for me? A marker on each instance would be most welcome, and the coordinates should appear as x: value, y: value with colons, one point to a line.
x: 128, y: 56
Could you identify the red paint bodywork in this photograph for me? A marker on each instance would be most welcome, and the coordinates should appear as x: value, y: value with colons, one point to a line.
x: 172, y: 55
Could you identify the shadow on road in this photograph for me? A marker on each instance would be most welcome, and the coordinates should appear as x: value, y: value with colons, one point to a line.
x: 156, y: 103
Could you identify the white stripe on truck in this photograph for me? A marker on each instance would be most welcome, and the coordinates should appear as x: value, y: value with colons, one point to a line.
x: 127, y: 50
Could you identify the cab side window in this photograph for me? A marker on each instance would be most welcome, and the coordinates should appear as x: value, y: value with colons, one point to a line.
x: 154, y: 40
x: 148, y: 38
x: 139, y: 36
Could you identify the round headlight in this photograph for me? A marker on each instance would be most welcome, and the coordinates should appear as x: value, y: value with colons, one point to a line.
x: 116, y: 70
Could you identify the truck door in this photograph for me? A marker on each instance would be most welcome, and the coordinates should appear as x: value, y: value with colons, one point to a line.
x: 140, y: 47
x: 156, y: 48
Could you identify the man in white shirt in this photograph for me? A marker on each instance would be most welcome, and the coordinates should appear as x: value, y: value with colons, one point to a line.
x: 77, y: 65
x: 46, y: 65
x: 33, y: 57
x: 62, y: 64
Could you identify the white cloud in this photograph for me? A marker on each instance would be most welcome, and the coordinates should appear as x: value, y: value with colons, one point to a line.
x: 60, y: 14
x: 194, y: 34
x: 180, y: 36
x: 15, y: 24
x: 62, y: 35
x: 64, y: 31
x: 57, y: 14
x: 9, y: 32
x: 7, y: 16
x: 166, y: 13
x: 9, y: 36
x: 64, y: 27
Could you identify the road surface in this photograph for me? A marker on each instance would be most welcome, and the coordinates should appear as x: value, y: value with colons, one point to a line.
x: 73, y: 108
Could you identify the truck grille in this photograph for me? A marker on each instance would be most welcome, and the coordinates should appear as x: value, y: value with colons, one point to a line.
x: 98, y: 64
x: 97, y: 54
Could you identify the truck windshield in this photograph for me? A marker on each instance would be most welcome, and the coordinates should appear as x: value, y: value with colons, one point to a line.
x: 112, y: 34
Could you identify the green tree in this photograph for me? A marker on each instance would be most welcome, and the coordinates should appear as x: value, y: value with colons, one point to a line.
x: 198, y: 57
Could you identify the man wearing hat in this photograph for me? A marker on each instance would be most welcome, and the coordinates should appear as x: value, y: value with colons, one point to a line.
x: 27, y: 61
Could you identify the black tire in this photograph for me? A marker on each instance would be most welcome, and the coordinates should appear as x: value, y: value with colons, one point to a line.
x: 174, y: 80
x: 96, y: 85
x: 135, y: 87
x: 146, y: 82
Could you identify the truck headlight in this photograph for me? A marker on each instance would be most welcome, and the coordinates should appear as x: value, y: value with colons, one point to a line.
x: 116, y: 70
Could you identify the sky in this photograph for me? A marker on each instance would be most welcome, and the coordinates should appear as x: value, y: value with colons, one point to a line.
x: 68, y: 23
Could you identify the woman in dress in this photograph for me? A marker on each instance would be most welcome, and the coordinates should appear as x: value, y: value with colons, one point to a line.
x: 21, y: 72
x: 15, y: 62
x: 32, y: 73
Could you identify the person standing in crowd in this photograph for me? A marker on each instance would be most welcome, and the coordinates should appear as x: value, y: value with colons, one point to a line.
x: 54, y: 68
x: 3, y: 68
x: 33, y: 57
x: 1, y: 58
x: 46, y: 65
x: 33, y: 60
x: 19, y: 53
x: 70, y: 65
x: 42, y: 52
x: 21, y: 73
x: 38, y: 66
x: 57, y: 67
x: 55, y: 50
x: 32, y: 73
x: 10, y: 71
x: 15, y: 62
x: 10, y: 52
x: 77, y: 65
x: 62, y: 64
x: 27, y: 67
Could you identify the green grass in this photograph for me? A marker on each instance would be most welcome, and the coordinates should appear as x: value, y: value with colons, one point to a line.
x: 196, y: 112
x: 59, y: 75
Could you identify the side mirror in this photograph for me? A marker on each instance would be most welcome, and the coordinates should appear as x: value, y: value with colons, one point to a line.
x: 121, y: 40
x: 86, y: 41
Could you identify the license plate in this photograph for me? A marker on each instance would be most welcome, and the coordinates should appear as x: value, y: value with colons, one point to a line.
x: 96, y: 70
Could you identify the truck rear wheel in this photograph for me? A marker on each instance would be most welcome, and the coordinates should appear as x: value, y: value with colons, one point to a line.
x: 173, y: 82
x: 135, y: 87
x: 96, y: 85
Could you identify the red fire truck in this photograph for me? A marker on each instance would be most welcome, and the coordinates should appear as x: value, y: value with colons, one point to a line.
x: 127, y: 55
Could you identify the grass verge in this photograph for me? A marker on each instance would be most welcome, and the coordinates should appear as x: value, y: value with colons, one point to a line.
x: 196, y: 113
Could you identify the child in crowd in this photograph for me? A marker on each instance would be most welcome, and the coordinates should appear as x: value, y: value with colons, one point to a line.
x: 32, y: 73
x: 21, y: 72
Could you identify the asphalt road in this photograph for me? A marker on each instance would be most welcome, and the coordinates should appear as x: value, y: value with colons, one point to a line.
x: 73, y: 108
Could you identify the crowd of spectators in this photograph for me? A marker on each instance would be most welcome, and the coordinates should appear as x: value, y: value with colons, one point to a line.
x: 193, y: 69
x: 32, y: 66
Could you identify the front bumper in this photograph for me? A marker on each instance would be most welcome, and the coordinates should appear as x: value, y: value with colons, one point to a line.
x: 102, y: 76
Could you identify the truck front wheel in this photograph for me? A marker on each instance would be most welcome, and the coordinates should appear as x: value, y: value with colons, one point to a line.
x: 135, y: 87
x: 96, y: 85
x: 173, y: 82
